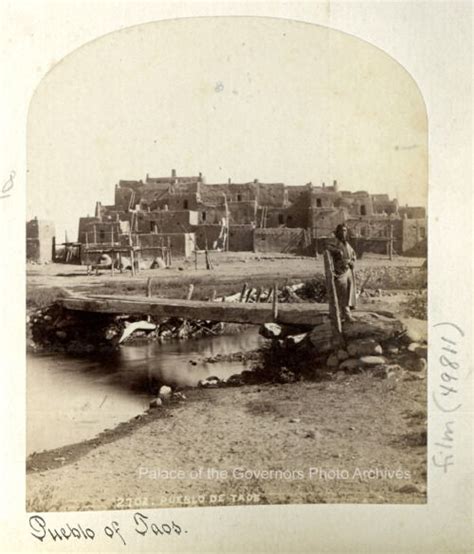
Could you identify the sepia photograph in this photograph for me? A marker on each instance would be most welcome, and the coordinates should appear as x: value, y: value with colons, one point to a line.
x: 226, y: 271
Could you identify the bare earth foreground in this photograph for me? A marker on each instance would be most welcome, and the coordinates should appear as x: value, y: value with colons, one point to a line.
x: 347, y: 439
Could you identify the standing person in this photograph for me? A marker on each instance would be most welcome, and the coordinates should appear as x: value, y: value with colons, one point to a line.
x: 344, y: 258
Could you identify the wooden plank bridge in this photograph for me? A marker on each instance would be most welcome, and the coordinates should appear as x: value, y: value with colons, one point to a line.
x: 229, y: 312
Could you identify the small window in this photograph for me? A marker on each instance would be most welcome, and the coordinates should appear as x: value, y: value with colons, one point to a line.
x: 239, y: 198
x: 152, y: 226
x: 101, y: 235
x: 289, y: 219
x: 185, y: 205
x: 363, y: 210
x: 203, y: 215
x: 318, y: 203
x: 280, y: 219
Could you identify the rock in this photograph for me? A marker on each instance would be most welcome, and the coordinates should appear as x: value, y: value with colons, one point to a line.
x: 409, y: 489
x: 392, y: 350
x: 416, y: 330
x: 364, y: 347
x: 209, y: 382
x: 295, y: 420
x: 61, y: 335
x: 386, y: 371
x: 234, y: 380
x: 156, y: 402
x: 294, y: 340
x: 286, y: 376
x: 270, y: 330
x: 350, y: 364
x: 372, y: 325
x: 422, y: 352
x: 165, y: 391
x: 372, y: 360
x: 136, y: 326
x: 418, y: 365
x: 321, y: 337
x: 413, y: 346
x: 179, y: 396
x: 332, y: 361
x: 342, y: 355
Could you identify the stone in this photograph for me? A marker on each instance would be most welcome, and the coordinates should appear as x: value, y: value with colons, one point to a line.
x: 413, y: 346
x: 270, y: 330
x: 416, y: 330
x: 350, y: 364
x: 293, y: 340
x: 418, y: 365
x: 179, y: 396
x: 392, y: 350
x: 364, y: 347
x: 156, y: 402
x: 371, y: 325
x: 234, y: 380
x: 332, y: 361
x: 422, y: 352
x: 61, y: 335
x: 165, y: 391
x: 209, y: 382
x: 408, y: 489
x: 372, y: 360
x: 342, y: 355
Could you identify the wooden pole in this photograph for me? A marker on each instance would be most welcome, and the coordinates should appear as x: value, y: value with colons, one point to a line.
x: 275, y: 302
x: 316, y: 243
x: 390, y: 247
x: 249, y: 293
x: 132, y: 261
x: 169, y: 251
x: 259, y: 294
x: 190, y: 292
x: 148, y: 287
x: 334, y: 314
x: 242, y: 294
x: 213, y: 296
x: 195, y: 258
x: 112, y: 257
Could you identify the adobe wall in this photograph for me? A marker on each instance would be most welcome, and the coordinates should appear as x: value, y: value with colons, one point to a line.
x: 279, y: 240
x: 182, y: 244
x: 39, y: 240
x: 179, y: 221
x: 271, y: 194
x: 206, y: 235
x: 85, y: 227
x: 241, y: 238
x: 233, y: 192
x: 210, y: 214
x: 414, y: 237
x: 242, y: 213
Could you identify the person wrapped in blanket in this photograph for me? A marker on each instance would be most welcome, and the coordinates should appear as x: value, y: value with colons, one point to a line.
x: 344, y: 257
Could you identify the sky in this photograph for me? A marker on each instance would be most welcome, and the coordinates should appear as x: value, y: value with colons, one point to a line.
x: 243, y: 98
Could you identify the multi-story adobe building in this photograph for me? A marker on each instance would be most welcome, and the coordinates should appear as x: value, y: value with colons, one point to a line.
x: 189, y: 214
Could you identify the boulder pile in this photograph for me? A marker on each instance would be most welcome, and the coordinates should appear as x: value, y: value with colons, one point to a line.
x: 373, y: 342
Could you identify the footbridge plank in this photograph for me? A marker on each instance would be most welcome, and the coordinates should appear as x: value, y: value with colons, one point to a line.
x: 230, y: 312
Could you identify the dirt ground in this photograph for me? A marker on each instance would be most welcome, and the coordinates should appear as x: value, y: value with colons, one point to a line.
x: 231, y: 270
x: 330, y: 439
x: 350, y: 439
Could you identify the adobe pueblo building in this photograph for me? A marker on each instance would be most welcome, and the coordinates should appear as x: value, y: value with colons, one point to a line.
x: 186, y: 214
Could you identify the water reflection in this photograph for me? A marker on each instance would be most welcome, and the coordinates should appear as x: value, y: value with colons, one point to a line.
x: 70, y: 399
